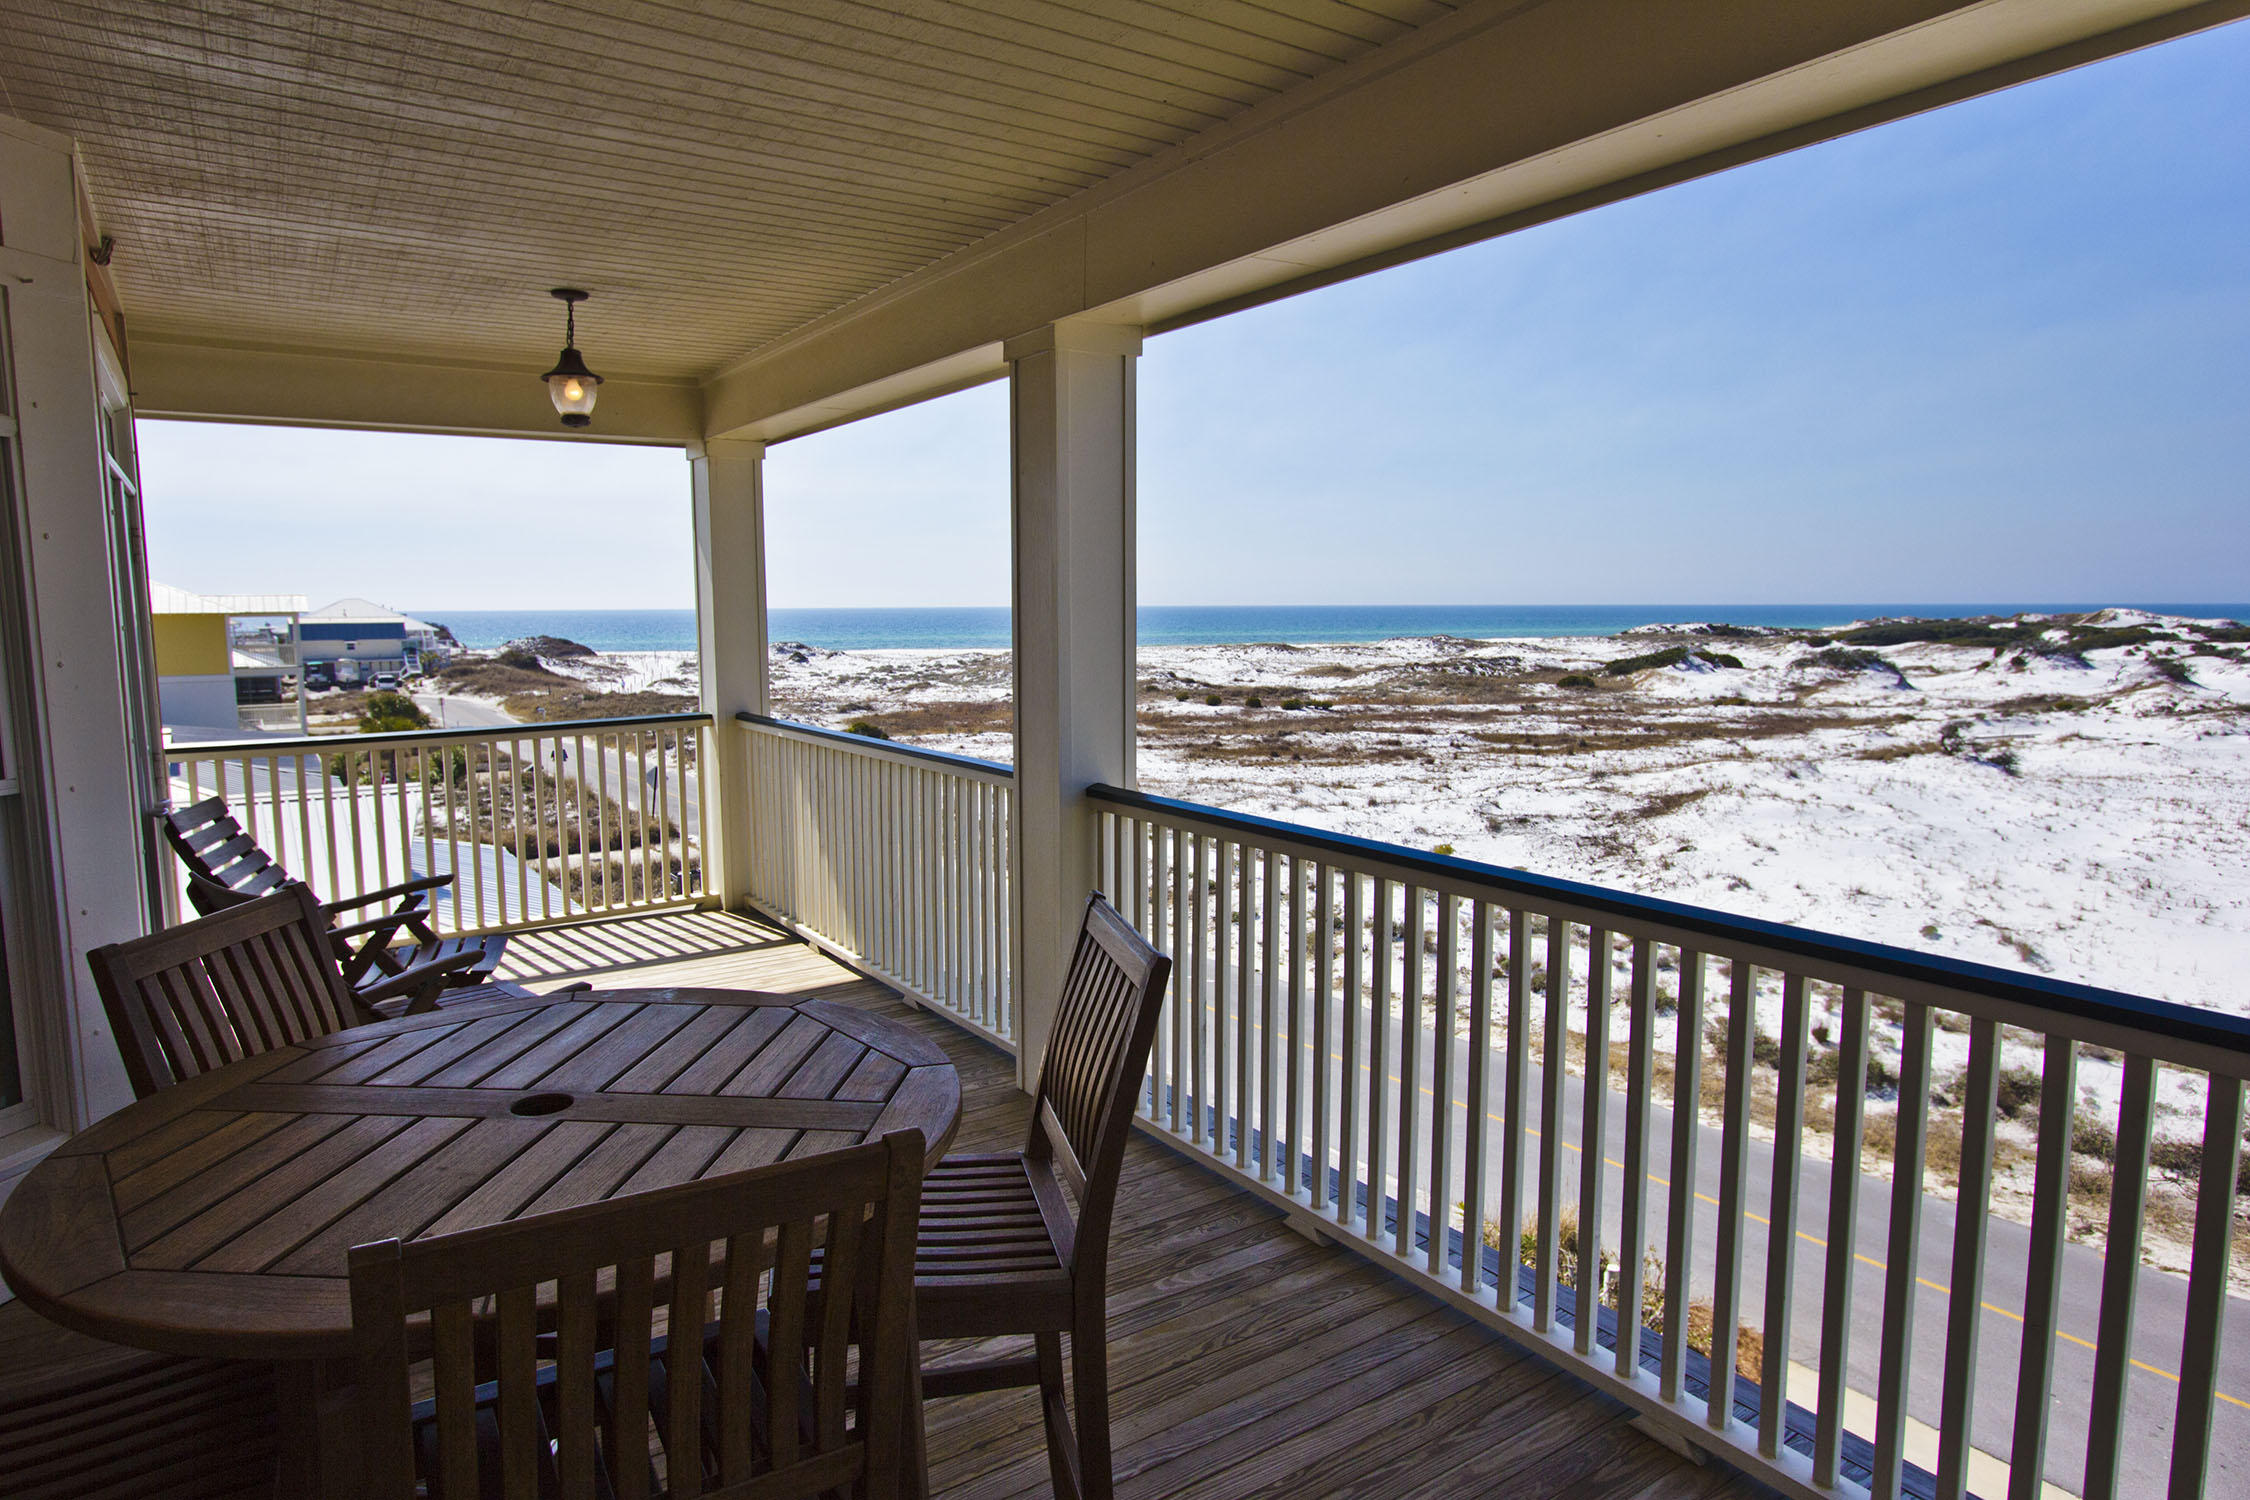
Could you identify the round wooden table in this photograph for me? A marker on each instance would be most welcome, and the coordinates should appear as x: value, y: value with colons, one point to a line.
x: 214, y: 1217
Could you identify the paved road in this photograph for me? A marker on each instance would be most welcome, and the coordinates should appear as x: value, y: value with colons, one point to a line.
x: 638, y: 781
x: 2152, y: 1390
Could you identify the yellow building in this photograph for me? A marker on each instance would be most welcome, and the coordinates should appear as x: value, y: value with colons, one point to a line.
x: 196, y: 664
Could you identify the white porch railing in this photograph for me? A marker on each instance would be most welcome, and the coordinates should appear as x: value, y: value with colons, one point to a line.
x: 537, y: 823
x: 1493, y: 1084
x: 1420, y: 1055
x: 895, y: 857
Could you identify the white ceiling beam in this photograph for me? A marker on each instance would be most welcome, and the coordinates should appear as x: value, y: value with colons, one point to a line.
x: 1503, y: 115
x: 394, y: 392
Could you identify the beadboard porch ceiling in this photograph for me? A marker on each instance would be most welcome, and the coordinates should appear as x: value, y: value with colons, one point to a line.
x: 408, y: 174
x: 349, y: 212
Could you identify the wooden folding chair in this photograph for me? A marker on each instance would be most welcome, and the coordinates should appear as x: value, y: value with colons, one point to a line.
x: 571, y: 1413
x: 228, y: 986
x: 1002, y: 1252
x: 226, y: 868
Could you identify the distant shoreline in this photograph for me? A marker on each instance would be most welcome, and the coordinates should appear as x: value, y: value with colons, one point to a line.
x: 628, y: 630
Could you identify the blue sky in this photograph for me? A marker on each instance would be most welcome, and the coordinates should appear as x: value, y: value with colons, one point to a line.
x: 2000, y: 351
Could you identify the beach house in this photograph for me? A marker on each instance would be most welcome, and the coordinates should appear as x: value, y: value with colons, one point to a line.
x: 223, y: 663
x: 373, y: 639
x: 1439, y: 1167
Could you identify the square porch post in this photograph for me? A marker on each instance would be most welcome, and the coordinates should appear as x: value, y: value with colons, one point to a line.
x: 1071, y: 428
x: 730, y: 638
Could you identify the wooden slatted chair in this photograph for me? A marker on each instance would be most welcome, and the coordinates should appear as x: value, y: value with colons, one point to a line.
x: 239, y: 982
x: 226, y: 868
x: 571, y: 1413
x: 1001, y: 1250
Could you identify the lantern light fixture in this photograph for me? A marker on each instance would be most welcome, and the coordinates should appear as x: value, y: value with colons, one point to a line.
x: 570, y: 385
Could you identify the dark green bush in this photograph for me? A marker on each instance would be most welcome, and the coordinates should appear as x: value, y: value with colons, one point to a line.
x: 1625, y: 666
x: 1576, y: 680
x: 1852, y: 659
x: 389, y: 713
x: 867, y: 727
x: 1253, y: 701
x: 1908, y: 632
x: 2180, y: 1160
x: 2018, y: 1091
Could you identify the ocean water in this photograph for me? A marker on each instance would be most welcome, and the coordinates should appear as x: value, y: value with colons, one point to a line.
x: 1209, y: 624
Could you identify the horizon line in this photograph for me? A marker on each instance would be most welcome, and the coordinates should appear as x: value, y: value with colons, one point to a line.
x: 1985, y: 605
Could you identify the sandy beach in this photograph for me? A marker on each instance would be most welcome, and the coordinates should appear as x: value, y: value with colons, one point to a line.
x: 2082, y: 815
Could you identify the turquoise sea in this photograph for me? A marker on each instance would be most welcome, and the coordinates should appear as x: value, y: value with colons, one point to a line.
x: 1209, y: 624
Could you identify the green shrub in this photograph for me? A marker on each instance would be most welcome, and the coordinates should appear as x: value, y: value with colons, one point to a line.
x: 2172, y: 670
x: 2180, y: 1160
x: 1253, y: 701
x: 391, y: 713
x: 1576, y: 680
x: 867, y: 727
x: 1852, y: 659
x: 2018, y: 1091
x: 1907, y: 632
x: 1291, y: 705
x: 1443, y: 849
x: 1212, y: 699
x: 1625, y: 666
x: 2093, y: 1136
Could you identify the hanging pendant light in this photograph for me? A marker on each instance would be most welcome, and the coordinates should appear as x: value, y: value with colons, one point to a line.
x: 570, y: 385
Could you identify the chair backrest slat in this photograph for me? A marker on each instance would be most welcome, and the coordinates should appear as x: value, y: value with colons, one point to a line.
x: 748, y: 1256
x: 591, y: 1413
x: 629, y: 1374
x: 576, y: 1412
x: 222, y: 988
x: 1096, y: 1057
x: 225, y: 863
x: 683, y: 1427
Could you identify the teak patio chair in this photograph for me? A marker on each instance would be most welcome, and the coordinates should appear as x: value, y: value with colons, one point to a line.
x: 226, y: 868
x: 569, y: 1412
x: 239, y: 982
x: 1001, y: 1252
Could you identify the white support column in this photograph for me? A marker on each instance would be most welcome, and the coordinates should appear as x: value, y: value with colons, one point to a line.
x: 730, y: 638
x: 1072, y: 429
x: 83, y: 794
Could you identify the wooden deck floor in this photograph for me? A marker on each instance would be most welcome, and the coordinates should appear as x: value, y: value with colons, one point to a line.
x: 1245, y: 1359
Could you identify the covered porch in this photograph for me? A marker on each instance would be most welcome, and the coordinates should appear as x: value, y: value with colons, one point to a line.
x: 1442, y: 1165
x: 1246, y: 1359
